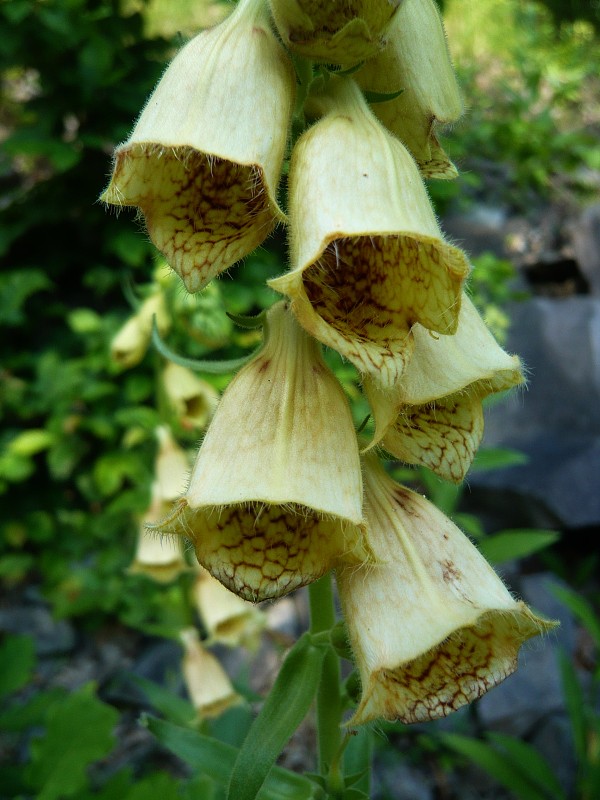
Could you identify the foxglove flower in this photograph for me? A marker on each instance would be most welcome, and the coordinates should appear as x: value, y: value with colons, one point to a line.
x: 209, y: 688
x: 226, y: 617
x: 368, y: 257
x: 160, y: 557
x: 131, y: 342
x: 416, y: 60
x: 275, y: 495
x: 204, y: 159
x: 336, y: 33
x: 191, y: 399
x: 434, y: 415
x: 431, y: 625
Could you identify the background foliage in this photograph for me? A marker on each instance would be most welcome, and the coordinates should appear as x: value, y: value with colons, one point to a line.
x: 77, y: 434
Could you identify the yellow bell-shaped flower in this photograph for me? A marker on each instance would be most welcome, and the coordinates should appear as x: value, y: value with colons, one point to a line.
x: 336, y: 33
x: 434, y: 415
x: 416, y: 60
x: 368, y: 257
x: 204, y: 159
x: 431, y: 625
x: 275, y: 496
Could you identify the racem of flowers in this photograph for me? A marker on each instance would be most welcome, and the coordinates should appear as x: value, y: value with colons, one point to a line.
x: 282, y: 490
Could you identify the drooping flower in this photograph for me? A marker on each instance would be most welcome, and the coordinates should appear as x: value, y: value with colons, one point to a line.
x: 275, y: 496
x: 209, y: 688
x: 434, y: 415
x: 160, y: 556
x: 336, y: 33
x: 132, y: 340
x: 368, y: 257
x: 204, y: 159
x: 416, y: 60
x: 191, y: 399
x: 226, y: 617
x: 431, y: 625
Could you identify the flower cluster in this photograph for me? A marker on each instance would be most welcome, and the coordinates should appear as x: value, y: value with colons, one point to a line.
x: 280, y: 493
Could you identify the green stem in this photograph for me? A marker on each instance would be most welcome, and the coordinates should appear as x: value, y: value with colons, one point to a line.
x: 329, y: 709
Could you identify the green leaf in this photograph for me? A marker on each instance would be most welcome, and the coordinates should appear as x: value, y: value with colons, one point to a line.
x: 381, y: 97
x: 575, y: 703
x: 517, y: 543
x: 497, y: 765
x: 17, y: 662
x: 79, y: 731
x: 538, y: 769
x: 15, y: 288
x: 496, y: 458
x: 216, y: 760
x: 216, y: 367
x: 284, y: 709
x: 170, y: 705
x: 30, y: 442
x: 580, y: 607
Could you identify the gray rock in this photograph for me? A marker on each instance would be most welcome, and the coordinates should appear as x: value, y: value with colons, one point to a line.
x: 556, y: 421
x: 51, y: 636
x: 585, y: 233
x: 534, y: 691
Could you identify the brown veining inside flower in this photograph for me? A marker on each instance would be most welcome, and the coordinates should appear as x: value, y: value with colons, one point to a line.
x: 472, y: 661
x: 370, y: 290
x: 265, y: 551
x: 443, y: 435
x: 203, y: 213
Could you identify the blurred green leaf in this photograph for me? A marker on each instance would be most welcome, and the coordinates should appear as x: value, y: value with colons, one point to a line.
x: 79, y: 731
x: 17, y: 662
x: 517, y: 543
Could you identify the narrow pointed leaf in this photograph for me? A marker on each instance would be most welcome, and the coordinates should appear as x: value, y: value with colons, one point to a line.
x: 506, y: 545
x: 249, y: 322
x: 216, y: 760
x: 525, y: 755
x: 212, y: 367
x: 496, y: 765
x: 282, y: 712
x: 575, y: 702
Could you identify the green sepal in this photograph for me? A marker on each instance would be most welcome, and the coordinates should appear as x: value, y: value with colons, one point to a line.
x: 216, y: 760
x: 363, y: 424
x: 343, y: 72
x: 129, y: 293
x: 212, y: 367
x: 284, y: 709
x: 381, y: 97
x: 248, y: 322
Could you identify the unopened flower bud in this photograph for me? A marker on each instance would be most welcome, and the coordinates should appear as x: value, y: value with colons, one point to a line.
x: 131, y: 342
x: 434, y: 415
x: 336, y: 33
x: 227, y: 618
x: 416, y: 60
x: 209, y: 688
x: 368, y: 257
x: 431, y: 624
x: 275, y: 496
x: 157, y: 556
x: 204, y: 159
x: 160, y: 556
x: 192, y: 400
